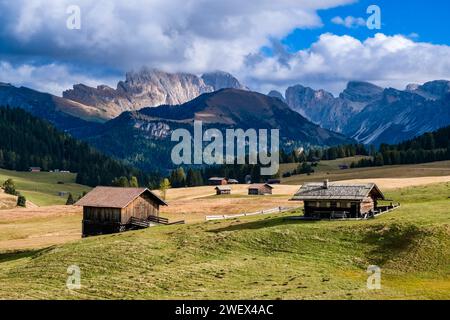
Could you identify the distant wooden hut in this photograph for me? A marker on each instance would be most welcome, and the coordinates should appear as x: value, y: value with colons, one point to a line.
x: 216, y: 181
x: 335, y: 200
x: 221, y: 190
x: 260, y: 189
x: 35, y: 169
x: 111, y: 210
x: 233, y: 181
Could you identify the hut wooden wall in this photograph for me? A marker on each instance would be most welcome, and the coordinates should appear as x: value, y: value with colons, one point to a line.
x: 367, y: 205
x: 102, y: 215
x: 141, y: 208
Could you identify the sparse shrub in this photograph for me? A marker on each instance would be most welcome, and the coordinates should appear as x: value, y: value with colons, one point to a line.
x: 21, y: 201
x: 10, y: 187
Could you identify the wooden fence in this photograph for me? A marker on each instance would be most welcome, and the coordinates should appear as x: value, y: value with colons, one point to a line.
x: 262, y: 212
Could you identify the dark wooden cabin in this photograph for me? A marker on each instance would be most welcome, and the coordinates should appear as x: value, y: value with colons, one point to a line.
x: 334, y: 200
x: 215, y: 181
x: 221, y: 190
x: 110, y: 210
x: 259, y: 189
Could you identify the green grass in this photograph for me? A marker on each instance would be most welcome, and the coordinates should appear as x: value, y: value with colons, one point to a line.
x: 253, y: 258
x: 330, y: 170
x: 42, y: 188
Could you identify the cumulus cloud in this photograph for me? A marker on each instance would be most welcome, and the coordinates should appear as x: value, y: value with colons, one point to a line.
x: 52, y: 78
x: 349, y: 22
x: 334, y: 60
x: 177, y: 34
x: 37, y: 50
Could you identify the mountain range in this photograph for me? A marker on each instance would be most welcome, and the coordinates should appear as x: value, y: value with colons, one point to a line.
x: 143, y: 137
x: 375, y: 115
x: 143, y: 110
x: 149, y: 88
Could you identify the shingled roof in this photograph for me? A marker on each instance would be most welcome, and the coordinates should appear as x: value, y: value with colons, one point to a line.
x: 111, y: 197
x: 337, y: 191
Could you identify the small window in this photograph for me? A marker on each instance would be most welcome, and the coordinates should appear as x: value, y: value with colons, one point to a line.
x: 334, y: 204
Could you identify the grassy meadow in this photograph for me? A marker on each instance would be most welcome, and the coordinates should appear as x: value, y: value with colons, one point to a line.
x: 330, y: 170
x: 265, y: 257
x: 42, y: 188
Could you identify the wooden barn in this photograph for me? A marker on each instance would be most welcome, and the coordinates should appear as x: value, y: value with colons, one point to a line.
x: 221, y: 190
x: 333, y: 200
x: 110, y: 210
x: 216, y: 181
x: 260, y: 189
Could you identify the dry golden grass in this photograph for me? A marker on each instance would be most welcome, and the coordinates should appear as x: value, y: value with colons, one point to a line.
x: 7, y: 201
x: 193, y: 204
x: 24, y: 228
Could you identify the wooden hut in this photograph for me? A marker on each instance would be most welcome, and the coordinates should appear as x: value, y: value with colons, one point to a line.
x: 260, y: 189
x: 111, y: 210
x: 216, y: 181
x: 233, y: 181
x: 221, y: 190
x: 334, y: 200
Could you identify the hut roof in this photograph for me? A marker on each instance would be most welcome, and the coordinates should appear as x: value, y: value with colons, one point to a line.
x: 111, y: 197
x: 336, y: 191
x: 260, y: 186
x: 216, y: 179
x: 223, y: 188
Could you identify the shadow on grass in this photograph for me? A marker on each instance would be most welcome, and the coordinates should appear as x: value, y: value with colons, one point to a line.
x: 390, y: 242
x: 16, y: 255
x: 268, y: 222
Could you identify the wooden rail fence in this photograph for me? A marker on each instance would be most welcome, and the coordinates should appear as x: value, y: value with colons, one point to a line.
x: 262, y: 212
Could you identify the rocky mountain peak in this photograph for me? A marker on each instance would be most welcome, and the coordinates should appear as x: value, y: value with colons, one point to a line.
x: 433, y: 90
x: 276, y: 94
x: 358, y: 91
x: 222, y: 80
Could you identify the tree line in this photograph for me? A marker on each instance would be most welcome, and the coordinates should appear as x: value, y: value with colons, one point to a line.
x: 27, y: 141
x: 429, y: 147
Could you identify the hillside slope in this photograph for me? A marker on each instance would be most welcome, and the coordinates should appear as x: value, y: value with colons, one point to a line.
x: 27, y: 141
x: 143, y: 137
x: 260, y: 257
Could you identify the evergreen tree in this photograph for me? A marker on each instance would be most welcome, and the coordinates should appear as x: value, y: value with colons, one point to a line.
x: 70, y: 201
x: 121, y: 182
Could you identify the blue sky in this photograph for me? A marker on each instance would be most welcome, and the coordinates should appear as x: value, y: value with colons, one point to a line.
x: 266, y: 44
x: 429, y: 20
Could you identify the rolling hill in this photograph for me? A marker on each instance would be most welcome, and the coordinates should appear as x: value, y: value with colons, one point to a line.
x: 264, y: 257
x: 143, y: 137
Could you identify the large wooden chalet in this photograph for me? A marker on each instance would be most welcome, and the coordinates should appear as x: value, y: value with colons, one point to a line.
x: 334, y: 200
x: 110, y: 210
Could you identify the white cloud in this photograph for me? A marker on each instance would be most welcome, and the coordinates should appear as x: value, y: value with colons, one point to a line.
x: 198, y: 36
x: 334, y: 60
x: 349, y: 22
x: 51, y: 78
x: 189, y: 35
